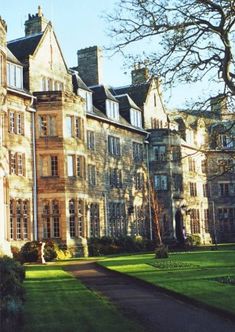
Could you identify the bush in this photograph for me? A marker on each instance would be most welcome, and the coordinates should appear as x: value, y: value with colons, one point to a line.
x: 12, y: 293
x: 193, y: 240
x: 110, y: 246
x: 161, y: 252
x: 29, y: 252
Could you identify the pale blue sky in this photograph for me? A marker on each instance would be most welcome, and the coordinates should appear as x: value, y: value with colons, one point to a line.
x: 79, y: 24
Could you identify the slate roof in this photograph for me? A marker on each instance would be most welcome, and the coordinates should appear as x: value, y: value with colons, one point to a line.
x: 137, y: 92
x: 78, y: 82
x: 25, y: 46
x: 12, y: 58
x: 102, y: 92
x: 125, y: 103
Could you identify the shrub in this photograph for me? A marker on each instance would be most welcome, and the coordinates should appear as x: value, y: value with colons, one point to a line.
x: 161, y: 252
x: 193, y: 240
x: 12, y: 293
x: 29, y: 252
x: 109, y: 246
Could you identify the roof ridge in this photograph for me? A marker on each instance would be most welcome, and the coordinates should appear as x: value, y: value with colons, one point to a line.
x: 25, y: 37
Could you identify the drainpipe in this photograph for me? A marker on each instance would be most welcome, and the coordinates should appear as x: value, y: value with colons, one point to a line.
x: 149, y: 188
x: 35, y: 223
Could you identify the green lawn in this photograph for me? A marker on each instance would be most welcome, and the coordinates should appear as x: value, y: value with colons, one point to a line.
x: 194, y: 274
x: 55, y: 301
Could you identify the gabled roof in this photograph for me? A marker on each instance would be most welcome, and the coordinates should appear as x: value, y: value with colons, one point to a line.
x: 22, y: 48
x: 102, y: 92
x: 125, y: 103
x: 137, y: 92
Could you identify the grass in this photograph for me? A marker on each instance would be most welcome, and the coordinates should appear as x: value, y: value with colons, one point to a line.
x: 198, y: 275
x: 56, y: 301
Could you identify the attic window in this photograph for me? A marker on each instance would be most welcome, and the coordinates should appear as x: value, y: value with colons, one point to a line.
x: 87, y: 96
x: 14, y: 76
x: 136, y: 118
x: 112, y: 110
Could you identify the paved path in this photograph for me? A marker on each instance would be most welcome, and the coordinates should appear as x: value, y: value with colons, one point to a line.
x: 155, y: 310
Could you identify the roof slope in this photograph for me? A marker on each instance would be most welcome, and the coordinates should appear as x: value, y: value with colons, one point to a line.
x: 137, y: 92
x: 25, y: 46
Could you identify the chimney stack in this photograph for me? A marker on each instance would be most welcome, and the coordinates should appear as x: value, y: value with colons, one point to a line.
x: 35, y: 23
x: 90, y: 61
x: 139, y: 74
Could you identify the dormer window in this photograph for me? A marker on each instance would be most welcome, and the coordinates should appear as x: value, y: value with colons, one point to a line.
x: 88, y: 99
x: 14, y: 75
x: 136, y: 118
x: 112, y: 109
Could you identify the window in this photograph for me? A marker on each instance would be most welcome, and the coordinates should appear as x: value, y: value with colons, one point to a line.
x: 177, y: 182
x: 114, y: 146
x: 17, y: 163
x: 73, y: 127
x: 90, y: 140
x: 55, y: 219
x: 54, y: 166
x: 47, y: 125
x: 226, y: 141
x: 76, y: 218
x: 195, y: 221
x: 51, y: 219
x: 193, y: 189
x: 94, y: 220
x: 69, y: 126
x: 19, y: 219
x: 176, y: 153
x: 87, y: 96
x: 138, y: 227
x: 138, y: 151
x: 226, y: 189
x: 205, y: 188
x: 117, y: 219
x: 225, y: 166
x: 191, y: 164
x: 139, y: 181
x: 16, y: 122
x: 206, y: 220
x: 115, y: 178
x: 204, y: 166
x: 48, y: 84
x: 70, y: 165
x: 80, y: 166
x: 112, y: 109
x: 76, y: 166
x: 160, y: 152
x: 226, y: 218
x: 14, y: 76
x: 136, y: 118
x: 91, y: 175
x: 160, y: 182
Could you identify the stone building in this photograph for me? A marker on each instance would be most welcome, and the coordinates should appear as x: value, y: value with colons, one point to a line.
x: 77, y: 156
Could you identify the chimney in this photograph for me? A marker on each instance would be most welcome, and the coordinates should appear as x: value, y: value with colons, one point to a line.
x: 3, y: 58
x: 139, y: 74
x: 90, y: 61
x: 219, y: 104
x: 35, y: 23
x: 3, y: 32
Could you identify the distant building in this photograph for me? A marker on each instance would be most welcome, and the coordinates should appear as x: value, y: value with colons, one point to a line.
x: 77, y: 156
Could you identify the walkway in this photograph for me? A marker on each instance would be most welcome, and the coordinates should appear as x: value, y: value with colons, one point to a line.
x: 157, y: 311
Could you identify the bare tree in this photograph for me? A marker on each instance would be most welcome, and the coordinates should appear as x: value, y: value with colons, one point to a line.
x: 192, y: 39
